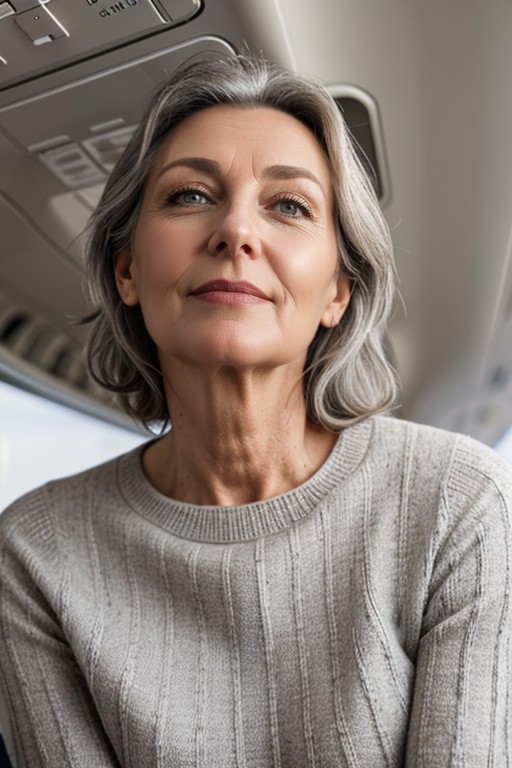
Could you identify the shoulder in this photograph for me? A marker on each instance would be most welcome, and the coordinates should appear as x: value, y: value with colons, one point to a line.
x: 37, y: 516
x: 438, y: 448
x: 391, y: 432
x: 468, y: 479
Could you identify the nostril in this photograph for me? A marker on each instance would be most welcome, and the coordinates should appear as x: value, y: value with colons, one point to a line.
x: 239, y: 244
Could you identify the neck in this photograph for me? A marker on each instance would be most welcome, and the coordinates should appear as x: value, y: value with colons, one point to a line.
x: 236, y: 438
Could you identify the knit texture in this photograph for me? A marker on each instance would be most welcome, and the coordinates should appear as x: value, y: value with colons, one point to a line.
x: 362, y: 619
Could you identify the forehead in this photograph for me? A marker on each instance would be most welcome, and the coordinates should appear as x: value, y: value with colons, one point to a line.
x: 262, y: 135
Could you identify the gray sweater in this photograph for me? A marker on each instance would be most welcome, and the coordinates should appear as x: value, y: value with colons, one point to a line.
x: 362, y: 619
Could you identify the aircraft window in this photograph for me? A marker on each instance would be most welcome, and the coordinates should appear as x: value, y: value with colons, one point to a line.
x: 358, y: 121
x: 362, y: 117
x: 36, y: 438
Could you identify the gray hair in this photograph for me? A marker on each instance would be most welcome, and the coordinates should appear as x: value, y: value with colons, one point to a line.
x: 347, y: 375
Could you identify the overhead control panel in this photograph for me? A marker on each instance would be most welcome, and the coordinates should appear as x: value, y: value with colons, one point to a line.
x: 39, y: 36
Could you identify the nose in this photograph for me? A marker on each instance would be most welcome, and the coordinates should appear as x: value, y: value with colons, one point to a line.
x: 236, y: 234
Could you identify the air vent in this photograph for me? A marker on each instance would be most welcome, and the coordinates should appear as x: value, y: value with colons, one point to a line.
x: 10, y: 325
x: 37, y: 357
x: 108, y: 148
x: 36, y: 342
x: 362, y: 118
x: 72, y: 166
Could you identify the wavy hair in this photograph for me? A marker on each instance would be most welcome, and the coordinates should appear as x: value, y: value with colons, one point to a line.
x: 347, y: 375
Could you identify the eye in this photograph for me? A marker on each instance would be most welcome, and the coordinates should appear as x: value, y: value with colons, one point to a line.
x: 293, y: 207
x: 187, y: 196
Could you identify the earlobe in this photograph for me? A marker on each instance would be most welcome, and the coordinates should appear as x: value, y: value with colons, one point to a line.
x: 337, y: 306
x: 125, y: 282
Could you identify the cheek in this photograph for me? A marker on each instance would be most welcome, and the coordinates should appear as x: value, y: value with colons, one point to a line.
x: 310, y: 274
x: 161, y: 257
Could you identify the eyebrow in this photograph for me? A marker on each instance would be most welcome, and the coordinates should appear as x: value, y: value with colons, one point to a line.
x: 211, y: 167
x: 285, y: 172
x: 196, y: 163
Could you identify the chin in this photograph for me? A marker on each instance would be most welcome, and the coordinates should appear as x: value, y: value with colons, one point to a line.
x: 238, y: 352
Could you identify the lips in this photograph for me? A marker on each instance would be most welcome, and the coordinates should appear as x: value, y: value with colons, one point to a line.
x: 230, y: 286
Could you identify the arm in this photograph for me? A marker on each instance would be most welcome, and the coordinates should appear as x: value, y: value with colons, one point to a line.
x: 52, y: 714
x: 461, y: 712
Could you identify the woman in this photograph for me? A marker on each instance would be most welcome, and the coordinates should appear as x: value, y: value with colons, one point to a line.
x: 284, y: 578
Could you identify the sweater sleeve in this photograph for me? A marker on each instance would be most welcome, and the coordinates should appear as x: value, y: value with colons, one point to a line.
x: 461, y: 714
x: 53, y: 718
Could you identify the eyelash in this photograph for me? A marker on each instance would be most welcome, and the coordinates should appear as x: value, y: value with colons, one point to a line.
x: 173, y: 197
x: 298, y: 201
x: 302, y: 205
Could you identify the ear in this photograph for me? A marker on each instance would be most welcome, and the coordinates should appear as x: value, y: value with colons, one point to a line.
x: 335, y: 309
x: 125, y: 281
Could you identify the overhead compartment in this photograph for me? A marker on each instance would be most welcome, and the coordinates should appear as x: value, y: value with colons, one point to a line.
x: 38, y: 37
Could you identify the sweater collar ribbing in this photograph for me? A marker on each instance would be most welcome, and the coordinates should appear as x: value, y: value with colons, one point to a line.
x: 248, y: 521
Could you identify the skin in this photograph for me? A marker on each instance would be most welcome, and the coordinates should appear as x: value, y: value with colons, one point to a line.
x: 235, y: 194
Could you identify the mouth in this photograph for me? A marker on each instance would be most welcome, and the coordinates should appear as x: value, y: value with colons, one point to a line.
x: 230, y: 292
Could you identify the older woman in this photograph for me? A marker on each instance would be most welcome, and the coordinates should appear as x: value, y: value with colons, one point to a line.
x: 284, y: 578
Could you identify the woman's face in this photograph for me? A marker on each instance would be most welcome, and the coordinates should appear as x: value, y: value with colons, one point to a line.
x: 234, y: 259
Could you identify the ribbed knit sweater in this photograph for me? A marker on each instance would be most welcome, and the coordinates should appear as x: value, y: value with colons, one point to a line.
x: 362, y: 619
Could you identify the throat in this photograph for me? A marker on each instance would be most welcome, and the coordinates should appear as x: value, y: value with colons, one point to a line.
x: 237, y: 471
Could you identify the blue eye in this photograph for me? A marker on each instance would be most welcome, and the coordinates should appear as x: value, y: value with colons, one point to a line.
x: 289, y: 208
x: 292, y: 208
x: 192, y: 196
x: 187, y: 197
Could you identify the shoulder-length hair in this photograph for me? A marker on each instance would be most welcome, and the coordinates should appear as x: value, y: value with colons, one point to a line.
x: 347, y: 375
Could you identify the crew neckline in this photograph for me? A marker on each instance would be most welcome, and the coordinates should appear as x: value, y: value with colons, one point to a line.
x: 248, y: 521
